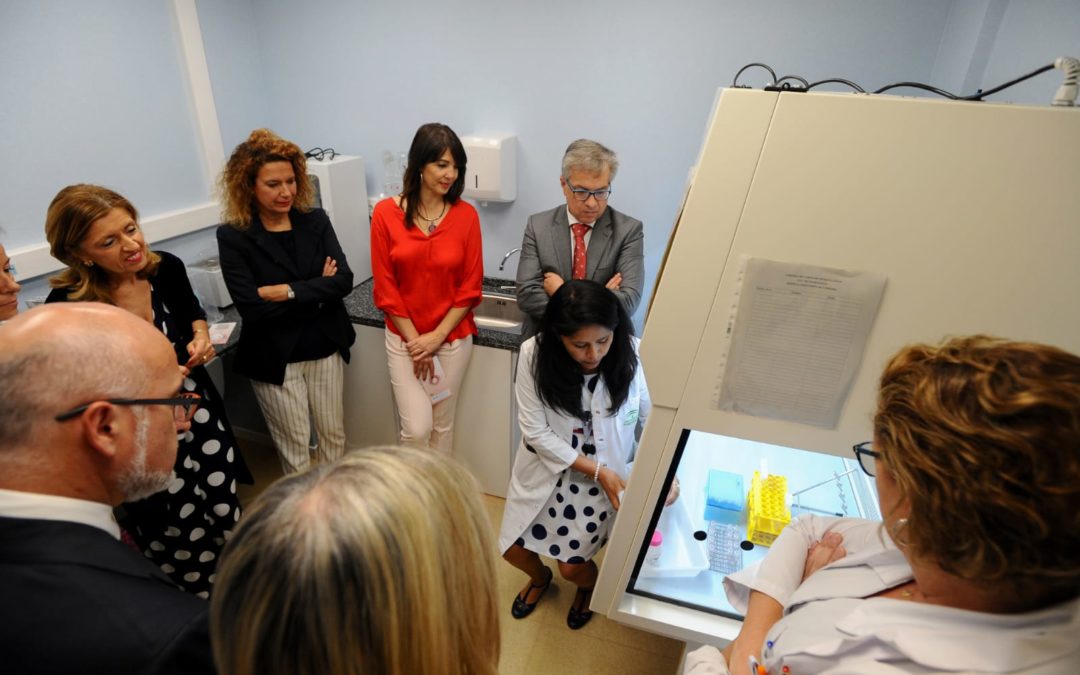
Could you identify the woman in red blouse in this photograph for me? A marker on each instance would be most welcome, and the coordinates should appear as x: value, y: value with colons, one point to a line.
x: 427, y: 262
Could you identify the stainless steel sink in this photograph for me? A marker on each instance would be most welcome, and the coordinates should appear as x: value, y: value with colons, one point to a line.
x: 499, y: 312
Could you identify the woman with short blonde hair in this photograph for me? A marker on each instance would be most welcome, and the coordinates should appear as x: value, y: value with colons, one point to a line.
x: 380, y: 562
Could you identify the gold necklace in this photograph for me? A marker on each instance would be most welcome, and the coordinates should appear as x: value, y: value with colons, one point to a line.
x: 430, y: 221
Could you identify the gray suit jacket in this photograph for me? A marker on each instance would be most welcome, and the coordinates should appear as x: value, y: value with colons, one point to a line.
x: 616, y: 245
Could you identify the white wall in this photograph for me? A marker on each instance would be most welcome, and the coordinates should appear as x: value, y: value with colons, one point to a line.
x: 637, y: 75
x: 93, y: 92
x: 96, y: 92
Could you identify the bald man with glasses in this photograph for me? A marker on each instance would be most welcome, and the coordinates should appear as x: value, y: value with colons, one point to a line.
x: 89, y: 420
x: 581, y: 239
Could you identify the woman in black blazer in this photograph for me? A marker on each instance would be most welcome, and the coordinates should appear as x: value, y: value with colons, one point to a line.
x: 287, y: 276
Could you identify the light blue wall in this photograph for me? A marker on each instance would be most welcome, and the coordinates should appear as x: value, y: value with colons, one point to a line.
x: 637, y: 75
x: 238, y: 74
x: 93, y: 92
x: 1031, y: 35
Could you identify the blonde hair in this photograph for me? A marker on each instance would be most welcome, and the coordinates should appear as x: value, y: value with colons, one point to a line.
x: 381, y: 562
x: 71, y: 214
x: 237, y: 181
x: 982, y: 438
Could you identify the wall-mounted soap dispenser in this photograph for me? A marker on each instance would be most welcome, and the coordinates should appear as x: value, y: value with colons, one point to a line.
x: 491, y: 173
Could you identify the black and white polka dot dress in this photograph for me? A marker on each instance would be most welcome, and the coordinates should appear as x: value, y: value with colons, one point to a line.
x: 575, y: 521
x: 183, y: 529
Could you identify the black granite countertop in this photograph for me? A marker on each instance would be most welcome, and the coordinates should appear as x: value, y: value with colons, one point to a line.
x: 362, y: 310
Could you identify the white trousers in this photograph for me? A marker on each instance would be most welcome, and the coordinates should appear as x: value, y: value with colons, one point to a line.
x: 312, y: 389
x: 423, y: 424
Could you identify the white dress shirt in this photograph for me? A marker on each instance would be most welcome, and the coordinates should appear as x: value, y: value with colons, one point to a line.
x: 33, y: 506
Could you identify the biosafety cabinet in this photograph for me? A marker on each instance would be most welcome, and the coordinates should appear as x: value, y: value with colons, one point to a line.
x: 819, y: 234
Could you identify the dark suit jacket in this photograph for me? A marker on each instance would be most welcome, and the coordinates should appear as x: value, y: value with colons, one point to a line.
x: 75, y: 600
x: 616, y: 245
x: 251, y: 258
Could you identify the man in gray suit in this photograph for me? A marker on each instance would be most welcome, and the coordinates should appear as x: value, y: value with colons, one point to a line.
x: 584, y: 235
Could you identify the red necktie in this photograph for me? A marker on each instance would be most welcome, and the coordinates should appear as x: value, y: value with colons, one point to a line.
x: 579, y: 249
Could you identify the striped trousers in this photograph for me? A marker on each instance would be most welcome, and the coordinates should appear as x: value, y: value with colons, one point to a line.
x: 311, y: 390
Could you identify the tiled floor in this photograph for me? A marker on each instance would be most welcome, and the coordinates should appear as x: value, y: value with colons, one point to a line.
x: 540, y: 644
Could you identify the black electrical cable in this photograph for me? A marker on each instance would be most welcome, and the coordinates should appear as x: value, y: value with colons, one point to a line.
x: 977, y: 96
x: 319, y: 154
x: 735, y: 82
x: 980, y: 94
x: 837, y: 80
x: 793, y: 77
x: 916, y: 85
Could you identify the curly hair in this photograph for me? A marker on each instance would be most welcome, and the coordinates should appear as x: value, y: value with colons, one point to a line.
x: 982, y: 438
x: 71, y: 214
x: 237, y: 181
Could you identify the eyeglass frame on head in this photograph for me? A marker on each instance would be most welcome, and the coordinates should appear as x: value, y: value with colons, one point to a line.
x: 187, y: 402
x: 861, y: 449
x: 599, y: 195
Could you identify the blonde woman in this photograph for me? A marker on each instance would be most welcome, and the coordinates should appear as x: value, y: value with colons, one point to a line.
x: 380, y: 562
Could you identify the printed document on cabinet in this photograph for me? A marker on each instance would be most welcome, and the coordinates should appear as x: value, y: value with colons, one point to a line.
x: 796, y: 340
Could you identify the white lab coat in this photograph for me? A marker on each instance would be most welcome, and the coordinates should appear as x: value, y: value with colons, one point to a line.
x: 549, y: 432
x: 830, y: 626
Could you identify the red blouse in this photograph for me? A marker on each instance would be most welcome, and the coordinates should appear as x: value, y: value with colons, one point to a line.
x: 422, y: 276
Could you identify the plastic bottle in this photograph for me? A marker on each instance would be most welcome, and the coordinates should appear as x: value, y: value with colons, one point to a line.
x: 652, y: 556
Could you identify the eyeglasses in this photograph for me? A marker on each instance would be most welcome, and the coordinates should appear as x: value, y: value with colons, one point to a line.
x: 582, y: 195
x: 866, y: 456
x: 184, y: 406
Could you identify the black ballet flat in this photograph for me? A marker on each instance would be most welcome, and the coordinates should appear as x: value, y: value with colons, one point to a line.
x: 577, y: 618
x: 522, y: 609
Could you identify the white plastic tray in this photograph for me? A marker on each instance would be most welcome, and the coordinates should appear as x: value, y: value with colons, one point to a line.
x: 681, y: 555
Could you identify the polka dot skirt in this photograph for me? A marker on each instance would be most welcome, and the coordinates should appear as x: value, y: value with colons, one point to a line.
x: 574, y: 523
x: 183, y: 528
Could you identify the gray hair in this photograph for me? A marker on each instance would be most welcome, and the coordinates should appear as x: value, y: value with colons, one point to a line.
x: 590, y: 157
x: 62, y: 370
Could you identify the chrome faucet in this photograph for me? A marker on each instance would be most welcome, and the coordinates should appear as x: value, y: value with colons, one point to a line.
x: 508, y: 254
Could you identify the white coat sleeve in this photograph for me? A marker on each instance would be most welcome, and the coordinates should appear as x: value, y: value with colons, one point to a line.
x: 705, y: 660
x: 644, y: 407
x: 781, y: 571
x: 555, y: 453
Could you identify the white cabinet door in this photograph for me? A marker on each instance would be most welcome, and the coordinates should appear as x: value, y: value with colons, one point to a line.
x: 370, y: 418
x: 484, y: 419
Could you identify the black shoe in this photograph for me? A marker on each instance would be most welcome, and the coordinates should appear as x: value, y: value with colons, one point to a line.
x: 522, y: 609
x: 580, y: 613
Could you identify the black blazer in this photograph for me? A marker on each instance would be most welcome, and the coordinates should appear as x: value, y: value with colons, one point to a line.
x: 75, y: 600
x: 251, y: 258
x: 171, y: 283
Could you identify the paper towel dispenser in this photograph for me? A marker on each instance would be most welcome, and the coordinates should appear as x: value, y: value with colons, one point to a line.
x: 491, y: 173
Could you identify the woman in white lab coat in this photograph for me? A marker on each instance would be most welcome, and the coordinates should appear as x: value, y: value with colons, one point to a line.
x: 976, y: 567
x: 583, y: 402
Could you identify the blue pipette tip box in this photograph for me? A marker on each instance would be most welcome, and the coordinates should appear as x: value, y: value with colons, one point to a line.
x: 724, y: 497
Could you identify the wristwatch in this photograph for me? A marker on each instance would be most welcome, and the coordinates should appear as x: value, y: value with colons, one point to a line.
x: 290, y: 292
